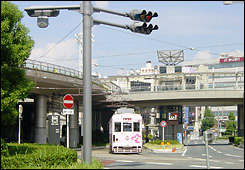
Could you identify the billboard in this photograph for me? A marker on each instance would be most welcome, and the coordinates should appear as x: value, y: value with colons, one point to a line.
x: 233, y: 59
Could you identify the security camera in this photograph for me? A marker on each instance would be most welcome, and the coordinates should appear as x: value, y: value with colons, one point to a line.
x: 42, y: 21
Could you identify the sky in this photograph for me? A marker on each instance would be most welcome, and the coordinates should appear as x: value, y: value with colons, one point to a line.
x: 209, y: 28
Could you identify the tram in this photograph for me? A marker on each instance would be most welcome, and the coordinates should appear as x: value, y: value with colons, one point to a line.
x: 125, y: 131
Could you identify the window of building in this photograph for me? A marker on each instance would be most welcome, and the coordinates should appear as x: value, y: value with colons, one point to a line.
x: 163, y: 70
x: 178, y: 69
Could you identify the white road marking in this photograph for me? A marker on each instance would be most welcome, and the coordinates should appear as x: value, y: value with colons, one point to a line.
x: 241, y: 160
x: 183, y: 154
x: 229, y: 163
x: 208, y: 155
x: 219, y: 152
x: 124, y: 161
x: 159, y: 163
x: 199, y: 166
x: 233, y: 155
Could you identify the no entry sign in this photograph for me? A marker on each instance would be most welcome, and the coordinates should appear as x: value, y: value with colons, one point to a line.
x: 68, y: 101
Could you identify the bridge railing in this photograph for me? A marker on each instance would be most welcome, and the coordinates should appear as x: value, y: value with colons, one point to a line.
x: 43, y: 66
x: 188, y: 87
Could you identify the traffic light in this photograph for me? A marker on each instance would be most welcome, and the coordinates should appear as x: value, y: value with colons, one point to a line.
x: 143, y: 28
x: 142, y: 15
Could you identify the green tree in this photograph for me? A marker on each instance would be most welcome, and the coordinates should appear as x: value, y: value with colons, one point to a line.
x: 208, y: 120
x: 231, y: 116
x: 231, y: 124
x: 16, y: 46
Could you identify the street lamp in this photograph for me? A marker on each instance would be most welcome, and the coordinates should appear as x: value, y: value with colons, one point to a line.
x: 87, y: 10
x: 20, y: 117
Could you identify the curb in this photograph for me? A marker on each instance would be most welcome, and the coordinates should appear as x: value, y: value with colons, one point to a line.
x: 93, y: 148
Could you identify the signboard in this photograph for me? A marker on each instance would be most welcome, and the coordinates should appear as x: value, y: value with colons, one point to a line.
x: 163, y: 123
x: 68, y: 101
x: 188, y: 70
x: 68, y: 112
x: 233, y: 59
x: 55, y: 120
x: 179, y: 137
x: 172, y: 116
x: 187, y: 115
x: 190, y: 128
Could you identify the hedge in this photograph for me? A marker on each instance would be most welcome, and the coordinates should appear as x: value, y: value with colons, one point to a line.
x: 35, y: 156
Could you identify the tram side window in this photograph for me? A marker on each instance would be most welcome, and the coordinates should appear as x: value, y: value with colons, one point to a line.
x: 127, y: 127
x: 136, y: 126
x: 117, y: 126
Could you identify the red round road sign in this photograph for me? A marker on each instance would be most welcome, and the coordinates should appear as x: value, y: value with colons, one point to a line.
x: 163, y: 123
x: 68, y: 101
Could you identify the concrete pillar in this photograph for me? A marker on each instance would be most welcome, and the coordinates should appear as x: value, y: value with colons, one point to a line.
x: 196, y: 122
x: 183, y: 82
x: 40, y: 115
x: 240, y: 121
x: 74, y: 131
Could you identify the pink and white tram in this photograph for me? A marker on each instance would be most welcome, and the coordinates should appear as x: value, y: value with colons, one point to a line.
x: 125, y: 131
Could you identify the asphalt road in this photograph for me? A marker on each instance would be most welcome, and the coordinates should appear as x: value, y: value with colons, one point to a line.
x: 191, y: 156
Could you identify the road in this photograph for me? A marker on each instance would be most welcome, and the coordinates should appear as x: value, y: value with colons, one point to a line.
x: 191, y: 156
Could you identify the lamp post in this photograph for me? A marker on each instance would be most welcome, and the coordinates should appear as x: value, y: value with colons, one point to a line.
x: 44, y: 12
x: 20, y: 117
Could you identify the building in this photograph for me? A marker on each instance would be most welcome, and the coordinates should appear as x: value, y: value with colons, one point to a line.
x: 181, y: 77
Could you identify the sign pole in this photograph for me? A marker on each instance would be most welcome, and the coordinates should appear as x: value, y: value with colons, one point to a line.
x: 163, y: 134
x: 67, y: 131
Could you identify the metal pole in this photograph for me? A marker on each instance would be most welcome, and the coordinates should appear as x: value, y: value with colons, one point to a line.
x: 218, y: 122
x: 19, y: 128
x: 206, y: 147
x: 67, y: 131
x: 20, y: 112
x: 163, y: 134
x: 87, y: 83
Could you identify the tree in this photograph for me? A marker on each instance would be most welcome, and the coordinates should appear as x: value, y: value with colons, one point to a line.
x: 16, y: 46
x: 208, y: 120
x: 231, y: 124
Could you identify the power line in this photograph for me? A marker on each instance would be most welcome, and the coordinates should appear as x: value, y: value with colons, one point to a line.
x: 148, y: 52
x: 59, y: 41
x: 185, y: 48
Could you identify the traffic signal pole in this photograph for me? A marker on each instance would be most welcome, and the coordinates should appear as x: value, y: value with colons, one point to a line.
x: 86, y: 9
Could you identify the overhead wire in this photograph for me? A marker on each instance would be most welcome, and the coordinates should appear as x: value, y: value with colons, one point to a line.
x: 59, y: 41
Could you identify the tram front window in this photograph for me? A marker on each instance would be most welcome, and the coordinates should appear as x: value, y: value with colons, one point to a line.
x: 127, y: 127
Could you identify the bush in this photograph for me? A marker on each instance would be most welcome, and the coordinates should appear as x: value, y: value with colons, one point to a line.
x: 4, y: 148
x: 237, y: 140
x: 37, y: 156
